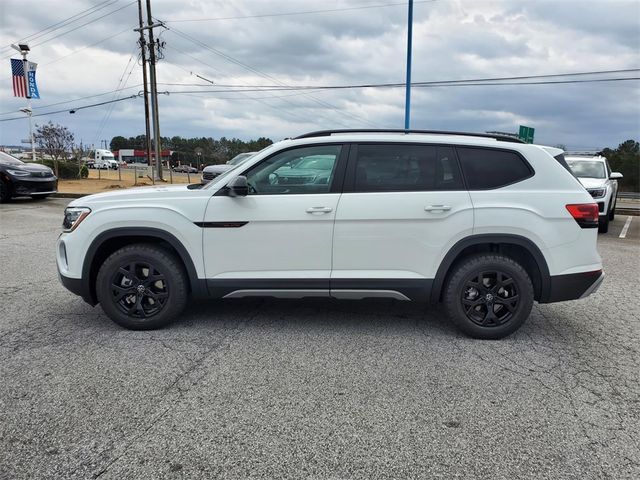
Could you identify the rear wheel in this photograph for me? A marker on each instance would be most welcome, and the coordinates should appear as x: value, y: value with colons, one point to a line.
x: 142, y: 287
x: 488, y: 296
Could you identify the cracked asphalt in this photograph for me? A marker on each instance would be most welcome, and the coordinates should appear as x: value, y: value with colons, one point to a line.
x: 311, y: 389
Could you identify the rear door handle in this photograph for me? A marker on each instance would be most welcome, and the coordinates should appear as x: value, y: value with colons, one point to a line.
x: 319, y: 210
x: 437, y: 208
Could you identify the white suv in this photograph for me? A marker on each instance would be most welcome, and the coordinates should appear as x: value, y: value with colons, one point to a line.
x: 595, y: 174
x: 484, y: 224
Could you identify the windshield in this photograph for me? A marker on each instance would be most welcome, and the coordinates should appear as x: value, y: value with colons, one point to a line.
x: 587, y: 168
x: 9, y: 160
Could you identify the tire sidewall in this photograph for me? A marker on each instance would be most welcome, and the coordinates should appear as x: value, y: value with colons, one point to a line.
x: 166, y: 263
x: 474, y: 265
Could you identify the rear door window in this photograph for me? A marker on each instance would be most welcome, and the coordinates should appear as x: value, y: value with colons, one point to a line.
x: 487, y: 168
x: 406, y: 168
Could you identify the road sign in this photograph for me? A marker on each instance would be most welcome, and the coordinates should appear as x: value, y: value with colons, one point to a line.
x: 526, y: 134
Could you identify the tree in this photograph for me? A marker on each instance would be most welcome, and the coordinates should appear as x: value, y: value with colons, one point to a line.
x: 626, y: 160
x: 118, y: 143
x: 55, y: 141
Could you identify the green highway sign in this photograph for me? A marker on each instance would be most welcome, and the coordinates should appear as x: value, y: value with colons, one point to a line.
x: 526, y: 134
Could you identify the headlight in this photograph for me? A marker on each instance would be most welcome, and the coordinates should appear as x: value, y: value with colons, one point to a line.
x: 18, y: 173
x: 597, y: 192
x: 73, y: 216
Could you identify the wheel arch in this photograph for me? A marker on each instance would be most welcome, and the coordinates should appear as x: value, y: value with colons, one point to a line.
x: 111, y: 240
x: 521, y: 249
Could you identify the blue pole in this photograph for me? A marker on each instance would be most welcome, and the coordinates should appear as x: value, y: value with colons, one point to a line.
x: 407, y: 102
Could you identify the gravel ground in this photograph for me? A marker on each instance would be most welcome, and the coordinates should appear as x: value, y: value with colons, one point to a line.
x: 310, y: 389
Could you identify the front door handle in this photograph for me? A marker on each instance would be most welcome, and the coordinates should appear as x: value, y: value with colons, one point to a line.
x: 319, y: 210
x: 437, y: 208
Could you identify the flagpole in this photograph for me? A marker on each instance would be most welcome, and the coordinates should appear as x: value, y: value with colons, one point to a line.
x: 33, y: 147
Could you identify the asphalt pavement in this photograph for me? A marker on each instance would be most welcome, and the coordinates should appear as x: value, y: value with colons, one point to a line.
x: 311, y: 388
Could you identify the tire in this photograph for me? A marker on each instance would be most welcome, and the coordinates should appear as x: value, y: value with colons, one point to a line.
x: 131, y: 298
x: 612, y: 212
x: 488, y: 296
x: 603, y: 224
x: 5, y: 192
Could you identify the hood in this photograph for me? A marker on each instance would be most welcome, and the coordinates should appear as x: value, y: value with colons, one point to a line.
x: 588, y: 182
x: 29, y: 167
x: 132, y: 194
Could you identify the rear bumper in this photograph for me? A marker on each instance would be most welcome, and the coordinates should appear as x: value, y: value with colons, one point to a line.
x: 573, y: 286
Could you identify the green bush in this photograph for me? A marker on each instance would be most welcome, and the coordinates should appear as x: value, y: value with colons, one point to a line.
x: 68, y: 169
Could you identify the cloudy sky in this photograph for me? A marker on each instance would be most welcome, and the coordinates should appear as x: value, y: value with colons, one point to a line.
x: 90, y: 51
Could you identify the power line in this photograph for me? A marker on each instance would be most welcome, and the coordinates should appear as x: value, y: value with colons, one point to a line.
x: 64, y: 22
x: 267, y: 76
x: 72, y: 110
x: 79, y: 26
x: 398, y: 85
x: 128, y: 29
x: 305, y: 12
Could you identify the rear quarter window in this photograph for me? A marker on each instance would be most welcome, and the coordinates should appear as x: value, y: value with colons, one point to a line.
x: 487, y: 168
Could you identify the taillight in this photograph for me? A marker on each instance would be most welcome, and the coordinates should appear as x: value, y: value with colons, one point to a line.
x: 586, y: 214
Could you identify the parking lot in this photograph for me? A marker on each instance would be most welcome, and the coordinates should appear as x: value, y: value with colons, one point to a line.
x: 311, y: 388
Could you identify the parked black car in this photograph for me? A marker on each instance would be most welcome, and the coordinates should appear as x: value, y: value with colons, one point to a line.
x: 19, y: 179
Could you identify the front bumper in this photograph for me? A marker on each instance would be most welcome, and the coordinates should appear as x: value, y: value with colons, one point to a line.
x: 573, y: 286
x: 31, y: 186
x: 79, y: 287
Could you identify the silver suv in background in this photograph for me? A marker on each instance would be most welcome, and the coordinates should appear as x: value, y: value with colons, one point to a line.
x: 596, y: 176
x: 212, y: 171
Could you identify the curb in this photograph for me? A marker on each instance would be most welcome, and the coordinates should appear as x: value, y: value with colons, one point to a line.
x: 68, y: 195
x: 628, y: 211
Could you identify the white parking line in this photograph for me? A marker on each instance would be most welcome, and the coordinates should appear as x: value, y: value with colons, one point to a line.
x: 623, y: 233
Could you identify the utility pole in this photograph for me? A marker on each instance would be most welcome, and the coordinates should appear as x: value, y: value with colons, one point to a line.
x: 407, y: 101
x: 154, y: 89
x: 143, y: 54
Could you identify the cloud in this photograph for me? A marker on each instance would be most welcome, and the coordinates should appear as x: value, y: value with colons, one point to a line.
x: 452, y: 40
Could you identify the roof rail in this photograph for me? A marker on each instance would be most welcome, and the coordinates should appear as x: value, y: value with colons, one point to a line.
x: 328, y: 133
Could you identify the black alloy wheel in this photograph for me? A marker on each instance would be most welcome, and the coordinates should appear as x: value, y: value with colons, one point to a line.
x: 490, y: 298
x: 139, y: 289
x: 142, y: 286
x: 488, y: 295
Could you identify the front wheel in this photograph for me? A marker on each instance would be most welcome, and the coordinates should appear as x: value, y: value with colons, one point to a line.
x: 603, y: 224
x: 142, y: 287
x: 488, y: 296
x: 5, y: 192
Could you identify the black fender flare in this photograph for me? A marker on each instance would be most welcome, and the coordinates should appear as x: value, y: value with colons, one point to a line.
x: 198, y: 286
x: 483, y: 239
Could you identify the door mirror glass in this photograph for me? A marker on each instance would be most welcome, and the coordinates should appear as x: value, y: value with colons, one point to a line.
x: 615, y: 176
x: 238, y: 187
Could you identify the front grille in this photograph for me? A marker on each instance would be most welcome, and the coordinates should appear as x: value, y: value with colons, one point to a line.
x: 209, y: 175
x: 42, y: 174
x: 596, y: 192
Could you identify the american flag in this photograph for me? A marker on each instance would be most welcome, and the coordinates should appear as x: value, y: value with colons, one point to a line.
x: 19, y: 78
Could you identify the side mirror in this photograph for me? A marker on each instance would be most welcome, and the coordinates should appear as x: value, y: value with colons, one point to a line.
x: 615, y: 175
x: 238, y: 187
